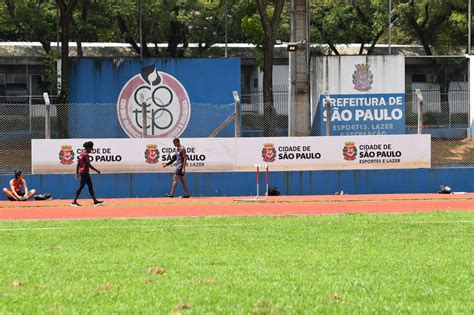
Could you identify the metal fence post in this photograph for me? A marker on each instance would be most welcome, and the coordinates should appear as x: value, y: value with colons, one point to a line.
x: 420, y: 111
x: 237, y: 113
x: 47, y: 116
x: 328, y: 114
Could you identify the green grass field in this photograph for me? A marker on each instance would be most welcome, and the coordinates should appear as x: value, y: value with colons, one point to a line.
x: 404, y: 263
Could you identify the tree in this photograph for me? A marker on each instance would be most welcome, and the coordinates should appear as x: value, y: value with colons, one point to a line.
x: 353, y: 21
x: 436, y: 25
x: 270, y: 15
x: 372, y: 23
x: 31, y: 20
x: 65, y: 19
x: 81, y: 26
x: 179, y: 23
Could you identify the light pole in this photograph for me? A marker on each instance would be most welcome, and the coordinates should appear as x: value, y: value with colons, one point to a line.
x: 390, y: 27
x: 141, y: 34
x: 225, y: 27
x: 57, y: 33
x: 469, y: 27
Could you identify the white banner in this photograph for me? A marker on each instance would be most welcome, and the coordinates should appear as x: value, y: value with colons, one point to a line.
x: 132, y: 155
x: 335, y: 153
x: 237, y: 154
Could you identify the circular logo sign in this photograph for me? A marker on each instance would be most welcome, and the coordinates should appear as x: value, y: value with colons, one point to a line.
x: 164, y: 100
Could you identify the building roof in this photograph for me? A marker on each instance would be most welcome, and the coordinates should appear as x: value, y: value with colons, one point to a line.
x: 29, y: 52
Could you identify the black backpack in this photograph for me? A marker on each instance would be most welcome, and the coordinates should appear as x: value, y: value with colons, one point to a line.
x: 46, y: 196
x: 273, y: 191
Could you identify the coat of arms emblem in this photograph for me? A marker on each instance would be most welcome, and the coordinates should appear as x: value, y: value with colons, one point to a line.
x: 362, y: 77
x: 268, y: 152
x: 349, y: 151
x: 66, y: 155
x: 151, y: 154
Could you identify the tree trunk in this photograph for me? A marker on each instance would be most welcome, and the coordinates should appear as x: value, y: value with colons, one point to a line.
x: 63, y: 98
x: 130, y: 39
x: 269, y: 29
x: 370, y: 51
x: 444, y: 98
x: 444, y: 82
x: 173, y: 39
x: 270, y: 117
x: 327, y: 39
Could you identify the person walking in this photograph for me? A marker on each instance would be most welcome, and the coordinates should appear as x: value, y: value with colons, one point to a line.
x: 180, y: 158
x: 82, y: 173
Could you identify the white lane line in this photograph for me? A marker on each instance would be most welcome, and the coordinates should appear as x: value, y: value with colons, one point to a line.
x: 121, y: 227
x: 437, y: 222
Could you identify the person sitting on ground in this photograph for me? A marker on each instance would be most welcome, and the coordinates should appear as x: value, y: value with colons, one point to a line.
x: 17, y: 184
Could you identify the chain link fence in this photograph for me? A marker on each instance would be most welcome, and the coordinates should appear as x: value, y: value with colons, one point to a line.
x: 19, y: 123
x: 445, y: 117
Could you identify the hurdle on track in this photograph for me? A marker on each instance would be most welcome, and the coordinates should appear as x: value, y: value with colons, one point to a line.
x: 257, y: 180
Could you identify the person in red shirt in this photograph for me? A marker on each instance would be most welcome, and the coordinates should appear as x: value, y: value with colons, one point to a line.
x: 17, y: 184
x: 82, y: 173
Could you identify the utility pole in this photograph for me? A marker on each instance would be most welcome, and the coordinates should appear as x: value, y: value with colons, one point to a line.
x: 141, y: 32
x: 469, y: 12
x: 225, y: 26
x: 299, y: 114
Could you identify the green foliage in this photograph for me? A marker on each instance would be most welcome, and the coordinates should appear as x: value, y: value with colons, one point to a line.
x: 252, y: 30
x: 8, y: 32
x: 50, y: 72
x: 442, y: 24
x: 29, y: 20
x: 344, y: 22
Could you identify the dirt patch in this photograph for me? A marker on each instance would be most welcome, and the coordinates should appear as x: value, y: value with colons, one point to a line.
x: 106, y: 287
x: 156, y: 270
x: 452, y: 152
x: 210, y: 281
x: 182, y: 306
x: 335, y: 297
x: 148, y: 280
x: 263, y: 307
x: 17, y: 283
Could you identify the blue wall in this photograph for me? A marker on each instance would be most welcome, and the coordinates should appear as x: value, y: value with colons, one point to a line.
x: 388, y: 118
x: 95, y: 84
x: 241, y: 184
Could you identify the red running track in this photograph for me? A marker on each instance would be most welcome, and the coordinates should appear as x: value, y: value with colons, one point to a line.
x: 228, y: 206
